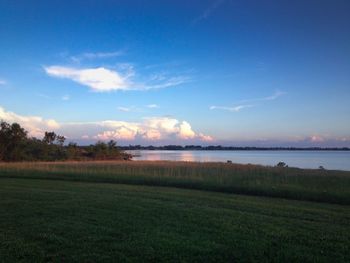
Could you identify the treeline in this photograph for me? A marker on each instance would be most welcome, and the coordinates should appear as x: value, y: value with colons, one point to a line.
x: 16, y: 145
x: 229, y: 148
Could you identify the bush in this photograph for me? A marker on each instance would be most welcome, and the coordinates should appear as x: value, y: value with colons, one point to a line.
x: 281, y: 164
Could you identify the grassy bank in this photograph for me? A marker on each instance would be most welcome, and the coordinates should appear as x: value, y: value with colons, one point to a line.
x: 63, y: 221
x: 291, y: 183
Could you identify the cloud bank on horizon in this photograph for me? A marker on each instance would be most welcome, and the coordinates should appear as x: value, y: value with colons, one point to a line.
x: 153, y: 130
x: 160, y: 129
x: 35, y: 125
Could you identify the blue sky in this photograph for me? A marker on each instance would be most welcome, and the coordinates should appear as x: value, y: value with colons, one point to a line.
x: 262, y: 73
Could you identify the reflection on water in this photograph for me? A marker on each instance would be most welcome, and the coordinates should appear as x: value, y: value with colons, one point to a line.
x: 304, y: 159
x: 186, y: 156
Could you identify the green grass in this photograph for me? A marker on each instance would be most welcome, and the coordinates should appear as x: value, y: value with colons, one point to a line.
x: 63, y: 221
x: 289, y: 183
x: 158, y: 211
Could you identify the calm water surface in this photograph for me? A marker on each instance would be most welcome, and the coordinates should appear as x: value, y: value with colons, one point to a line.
x: 338, y: 160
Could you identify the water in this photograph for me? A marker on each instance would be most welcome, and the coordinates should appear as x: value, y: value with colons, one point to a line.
x: 335, y: 160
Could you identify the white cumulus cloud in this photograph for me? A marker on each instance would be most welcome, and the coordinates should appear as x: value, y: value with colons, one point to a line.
x: 156, y: 128
x: 317, y: 138
x: 36, y: 126
x: 149, y: 129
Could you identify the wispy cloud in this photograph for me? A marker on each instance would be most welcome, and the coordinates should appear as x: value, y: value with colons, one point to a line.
x: 102, y: 79
x: 152, y: 106
x: 169, y: 82
x: 96, y: 55
x: 233, y: 109
x: 3, y: 82
x: 66, y: 97
x: 208, y: 12
x: 274, y: 96
x: 241, y: 106
x: 43, y: 96
x: 125, y: 109
x: 137, y: 109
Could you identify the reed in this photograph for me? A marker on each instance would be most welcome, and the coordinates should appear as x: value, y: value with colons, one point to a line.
x: 290, y: 183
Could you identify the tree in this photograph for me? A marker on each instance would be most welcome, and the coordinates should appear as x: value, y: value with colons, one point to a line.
x: 282, y: 164
x: 72, y: 151
x: 15, y: 145
x: 112, y: 148
x: 49, y: 137
x: 100, y: 150
x: 12, y: 141
x: 60, y: 140
x: 112, y: 145
x: 4, y: 138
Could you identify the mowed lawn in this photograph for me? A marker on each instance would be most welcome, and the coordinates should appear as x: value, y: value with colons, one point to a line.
x: 70, y: 221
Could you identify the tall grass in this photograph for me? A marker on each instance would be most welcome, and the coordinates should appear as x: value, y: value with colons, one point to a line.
x: 290, y: 183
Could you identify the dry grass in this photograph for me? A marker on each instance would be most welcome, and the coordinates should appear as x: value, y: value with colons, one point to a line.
x: 291, y: 183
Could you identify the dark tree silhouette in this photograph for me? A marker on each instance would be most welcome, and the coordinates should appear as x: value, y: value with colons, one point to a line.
x: 282, y: 164
x: 49, y: 137
x: 60, y: 140
x: 12, y: 141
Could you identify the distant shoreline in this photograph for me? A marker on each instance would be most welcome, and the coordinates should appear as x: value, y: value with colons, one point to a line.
x: 227, y: 148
